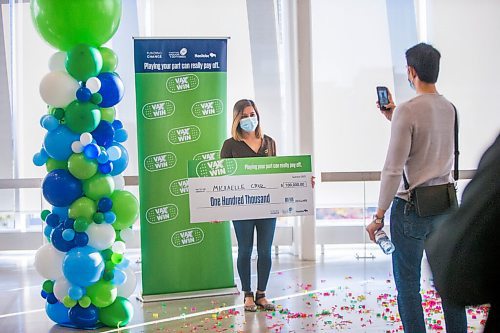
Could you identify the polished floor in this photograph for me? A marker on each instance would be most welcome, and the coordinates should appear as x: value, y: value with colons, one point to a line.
x: 336, y: 293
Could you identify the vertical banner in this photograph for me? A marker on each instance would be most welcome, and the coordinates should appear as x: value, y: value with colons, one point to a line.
x: 181, y: 116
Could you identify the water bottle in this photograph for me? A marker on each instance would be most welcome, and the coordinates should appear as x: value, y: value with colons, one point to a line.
x: 384, y: 242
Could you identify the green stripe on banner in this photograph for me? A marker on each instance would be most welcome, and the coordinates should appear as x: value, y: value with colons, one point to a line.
x: 249, y: 166
x: 181, y: 116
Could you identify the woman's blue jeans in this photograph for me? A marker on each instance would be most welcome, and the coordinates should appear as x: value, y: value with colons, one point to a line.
x: 409, y: 232
x: 244, y: 230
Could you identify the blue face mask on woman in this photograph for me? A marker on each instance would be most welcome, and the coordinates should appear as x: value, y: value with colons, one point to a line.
x: 249, y: 124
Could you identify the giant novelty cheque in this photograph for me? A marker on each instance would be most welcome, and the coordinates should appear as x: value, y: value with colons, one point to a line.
x: 249, y: 188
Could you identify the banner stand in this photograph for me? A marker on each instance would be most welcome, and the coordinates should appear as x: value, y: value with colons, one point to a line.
x: 189, y: 294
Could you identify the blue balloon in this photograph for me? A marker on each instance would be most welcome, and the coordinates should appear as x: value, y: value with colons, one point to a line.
x: 103, y: 134
x: 60, y: 188
x: 109, y: 217
x: 69, y: 223
x: 42, y: 118
x: 39, y: 159
x: 103, y: 157
x: 106, y: 168
x: 117, y: 124
x: 83, y: 266
x: 119, y: 277
x: 57, y: 143
x: 58, y: 241
x: 47, y: 231
x: 51, y: 298
x: 111, y: 89
x: 81, y: 239
x: 58, y: 313
x: 83, y: 94
x: 121, y: 135
x: 53, y: 220
x: 68, y: 235
x: 75, y: 292
x: 84, y: 317
x: 44, y: 294
x: 50, y: 123
x: 105, y: 204
x: 91, y: 151
x: 61, y: 211
x: 120, y: 164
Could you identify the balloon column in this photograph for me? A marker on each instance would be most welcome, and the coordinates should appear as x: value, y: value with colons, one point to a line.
x: 88, y: 279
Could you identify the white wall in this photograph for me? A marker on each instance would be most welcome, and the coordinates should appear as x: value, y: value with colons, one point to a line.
x: 467, y: 35
x: 216, y: 18
x: 351, y: 56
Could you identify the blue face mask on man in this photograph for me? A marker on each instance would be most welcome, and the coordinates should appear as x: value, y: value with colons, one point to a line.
x: 249, y: 124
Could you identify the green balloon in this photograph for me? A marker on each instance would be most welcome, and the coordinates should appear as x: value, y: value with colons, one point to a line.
x: 82, y: 207
x: 117, y: 314
x: 65, y: 24
x: 102, y: 293
x: 99, y: 186
x: 53, y: 164
x: 83, y: 62
x: 108, y: 114
x: 82, y: 117
x: 81, y: 167
x: 126, y: 209
x: 85, y: 301
x: 109, y: 59
x: 81, y: 224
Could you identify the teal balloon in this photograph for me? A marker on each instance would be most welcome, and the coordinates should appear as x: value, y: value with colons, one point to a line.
x: 82, y: 117
x: 83, y: 62
x: 117, y: 314
x: 67, y: 23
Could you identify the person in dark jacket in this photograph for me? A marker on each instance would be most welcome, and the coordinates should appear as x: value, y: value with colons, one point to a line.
x: 464, y: 248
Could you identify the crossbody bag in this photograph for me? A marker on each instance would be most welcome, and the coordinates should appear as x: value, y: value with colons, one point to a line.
x: 436, y: 199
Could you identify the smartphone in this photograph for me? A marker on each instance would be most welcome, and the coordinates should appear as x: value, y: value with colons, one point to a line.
x: 383, y: 97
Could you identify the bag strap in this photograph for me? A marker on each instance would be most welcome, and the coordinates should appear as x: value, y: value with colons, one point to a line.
x: 456, y: 152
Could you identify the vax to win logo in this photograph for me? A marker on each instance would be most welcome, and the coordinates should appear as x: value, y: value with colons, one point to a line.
x: 216, y: 168
x: 184, y: 134
x: 187, y: 237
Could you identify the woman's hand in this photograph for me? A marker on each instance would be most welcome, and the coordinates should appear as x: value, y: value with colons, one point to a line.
x: 313, y: 182
x: 389, y: 108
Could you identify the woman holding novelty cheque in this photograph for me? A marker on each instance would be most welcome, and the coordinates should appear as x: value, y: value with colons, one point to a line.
x: 248, y: 141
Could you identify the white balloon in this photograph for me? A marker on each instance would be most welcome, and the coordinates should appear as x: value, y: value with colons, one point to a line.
x: 86, y: 138
x: 101, y: 236
x: 61, y: 287
x: 48, y: 262
x: 93, y: 84
x: 128, y: 287
x: 127, y: 234
x: 119, y: 182
x: 58, y: 89
x: 77, y: 147
x: 57, y: 62
x: 114, y: 153
x: 119, y: 247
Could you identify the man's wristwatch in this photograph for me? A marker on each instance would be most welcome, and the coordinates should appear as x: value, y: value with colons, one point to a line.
x: 378, y: 220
